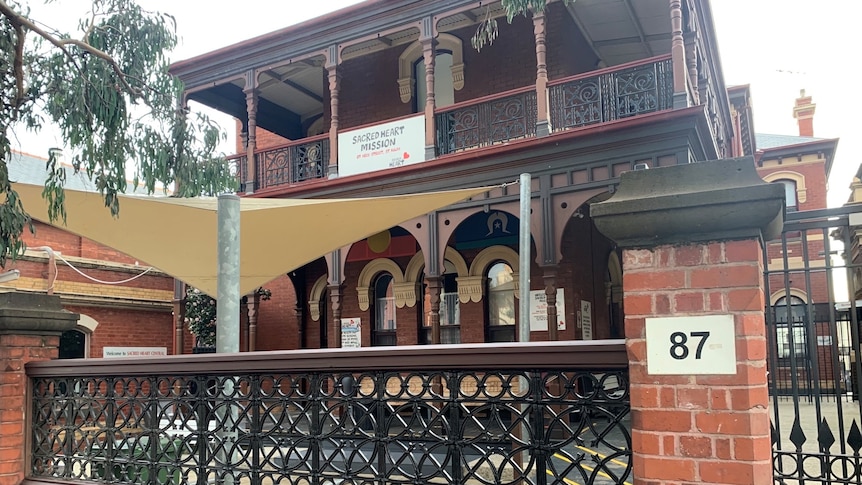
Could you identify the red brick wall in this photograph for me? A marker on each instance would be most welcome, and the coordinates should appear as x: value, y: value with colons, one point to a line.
x: 121, y: 327
x: 702, y: 428
x: 278, y: 327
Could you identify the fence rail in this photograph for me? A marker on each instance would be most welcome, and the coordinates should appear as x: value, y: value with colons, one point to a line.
x: 518, y: 413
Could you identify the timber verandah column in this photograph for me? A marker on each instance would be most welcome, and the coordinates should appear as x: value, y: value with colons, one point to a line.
x: 695, y: 332
x: 543, y: 127
x: 333, y: 75
x: 251, y: 93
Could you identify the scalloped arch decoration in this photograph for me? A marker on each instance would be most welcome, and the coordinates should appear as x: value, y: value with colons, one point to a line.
x: 374, y: 267
x: 314, y: 297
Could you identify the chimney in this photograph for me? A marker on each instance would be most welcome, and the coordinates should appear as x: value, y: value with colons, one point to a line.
x: 803, y: 111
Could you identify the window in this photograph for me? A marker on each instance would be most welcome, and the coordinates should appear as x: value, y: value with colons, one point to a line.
x: 789, y: 193
x: 444, y: 90
x: 500, y: 303
x: 450, y: 310
x: 790, y: 332
x: 384, y: 311
x: 73, y: 344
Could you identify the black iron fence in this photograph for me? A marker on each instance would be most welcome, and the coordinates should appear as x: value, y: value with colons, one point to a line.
x: 812, y: 323
x: 516, y: 413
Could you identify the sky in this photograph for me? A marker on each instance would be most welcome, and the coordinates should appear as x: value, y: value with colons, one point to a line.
x: 776, y: 46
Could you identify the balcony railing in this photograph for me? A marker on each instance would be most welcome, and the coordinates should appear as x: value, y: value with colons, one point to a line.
x: 513, y: 413
x: 602, y: 96
x: 612, y: 94
x: 297, y: 161
x: 486, y: 121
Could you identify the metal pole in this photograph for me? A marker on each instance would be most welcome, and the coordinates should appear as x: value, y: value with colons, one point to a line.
x: 524, y: 310
x: 227, y: 321
x: 227, y: 309
x: 524, y: 261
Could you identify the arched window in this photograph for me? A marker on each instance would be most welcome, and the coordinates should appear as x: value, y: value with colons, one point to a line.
x: 501, y: 313
x: 384, y: 311
x: 789, y: 193
x: 790, y: 332
x: 450, y: 310
x: 73, y: 344
x: 444, y: 89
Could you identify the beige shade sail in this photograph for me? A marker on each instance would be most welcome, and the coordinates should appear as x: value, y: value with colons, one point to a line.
x: 179, y: 236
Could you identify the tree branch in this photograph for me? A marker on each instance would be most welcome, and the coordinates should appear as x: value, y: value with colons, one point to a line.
x: 19, y: 20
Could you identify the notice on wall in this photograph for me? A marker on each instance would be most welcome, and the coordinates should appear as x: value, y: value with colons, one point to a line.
x: 115, y: 352
x: 691, y: 345
x: 351, y: 333
x: 539, y: 310
x: 383, y: 146
x: 586, y: 314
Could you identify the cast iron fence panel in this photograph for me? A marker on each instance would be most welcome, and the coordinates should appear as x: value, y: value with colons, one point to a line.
x: 487, y: 123
x: 612, y: 95
x: 531, y: 425
x: 812, y: 341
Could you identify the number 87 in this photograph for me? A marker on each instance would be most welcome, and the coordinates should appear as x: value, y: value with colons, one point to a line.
x: 679, y: 349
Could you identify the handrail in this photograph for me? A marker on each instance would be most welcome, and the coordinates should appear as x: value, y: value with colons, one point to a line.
x: 291, y: 143
x: 485, y: 99
x: 606, y: 70
x: 598, y: 354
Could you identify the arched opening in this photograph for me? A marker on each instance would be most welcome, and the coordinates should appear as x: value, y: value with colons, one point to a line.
x: 791, y: 337
x: 444, y: 88
x: 450, y: 308
x: 500, y: 311
x: 73, y: 344
x: 385, y: 324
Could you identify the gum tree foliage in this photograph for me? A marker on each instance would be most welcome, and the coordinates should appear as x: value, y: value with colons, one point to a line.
x: 487, y: 30
x: 106, y: 87
x: 200, y: 314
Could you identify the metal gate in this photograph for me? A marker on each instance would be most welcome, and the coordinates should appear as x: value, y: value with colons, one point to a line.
x: 814, y: 359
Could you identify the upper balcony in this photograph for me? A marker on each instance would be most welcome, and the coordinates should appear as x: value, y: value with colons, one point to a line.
x: 378, y: 86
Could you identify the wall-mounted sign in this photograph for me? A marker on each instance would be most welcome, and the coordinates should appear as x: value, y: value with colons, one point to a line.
x: 691, y: 345
x: 539, y: 310
x: 114, y: 352
x: 382, y: 146
x: 586, y: 320
x: 351, y: 333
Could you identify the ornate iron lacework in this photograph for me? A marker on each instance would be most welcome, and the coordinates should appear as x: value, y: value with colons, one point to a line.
x: 525, y: 427
x: 612, y: 96
x: 488, y: 123
x: 290, y: 164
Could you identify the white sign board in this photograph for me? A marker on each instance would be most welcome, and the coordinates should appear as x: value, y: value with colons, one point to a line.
x: 351, y: 333
x: 539, y: 310
x: 586, y: 320
x: 691, y: 345
x: 383, y: 146
x: 113, y: 352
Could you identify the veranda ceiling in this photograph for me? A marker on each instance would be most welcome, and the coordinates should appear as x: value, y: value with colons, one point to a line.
x: 179, y: 236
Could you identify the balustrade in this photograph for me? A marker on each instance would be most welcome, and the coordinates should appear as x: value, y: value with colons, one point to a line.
x: 516, y: 413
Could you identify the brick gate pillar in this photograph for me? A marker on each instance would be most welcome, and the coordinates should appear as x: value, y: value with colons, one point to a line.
x: 30, y: 328
x: 692, y: 240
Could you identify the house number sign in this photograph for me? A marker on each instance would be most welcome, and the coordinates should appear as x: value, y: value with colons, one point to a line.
x: 691, y: 345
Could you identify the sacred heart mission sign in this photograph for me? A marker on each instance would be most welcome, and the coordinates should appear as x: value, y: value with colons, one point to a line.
x: 383, y: 146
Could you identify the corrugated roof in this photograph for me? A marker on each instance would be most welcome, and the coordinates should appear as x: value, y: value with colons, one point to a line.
x: 764, y: 140
x: 30, y: 169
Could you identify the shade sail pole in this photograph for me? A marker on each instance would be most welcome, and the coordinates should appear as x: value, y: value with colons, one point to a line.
x: 524, y: 260
x: 227, y: 309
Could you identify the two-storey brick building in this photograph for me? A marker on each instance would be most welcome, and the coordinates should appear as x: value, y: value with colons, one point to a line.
x: 389, y: 97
